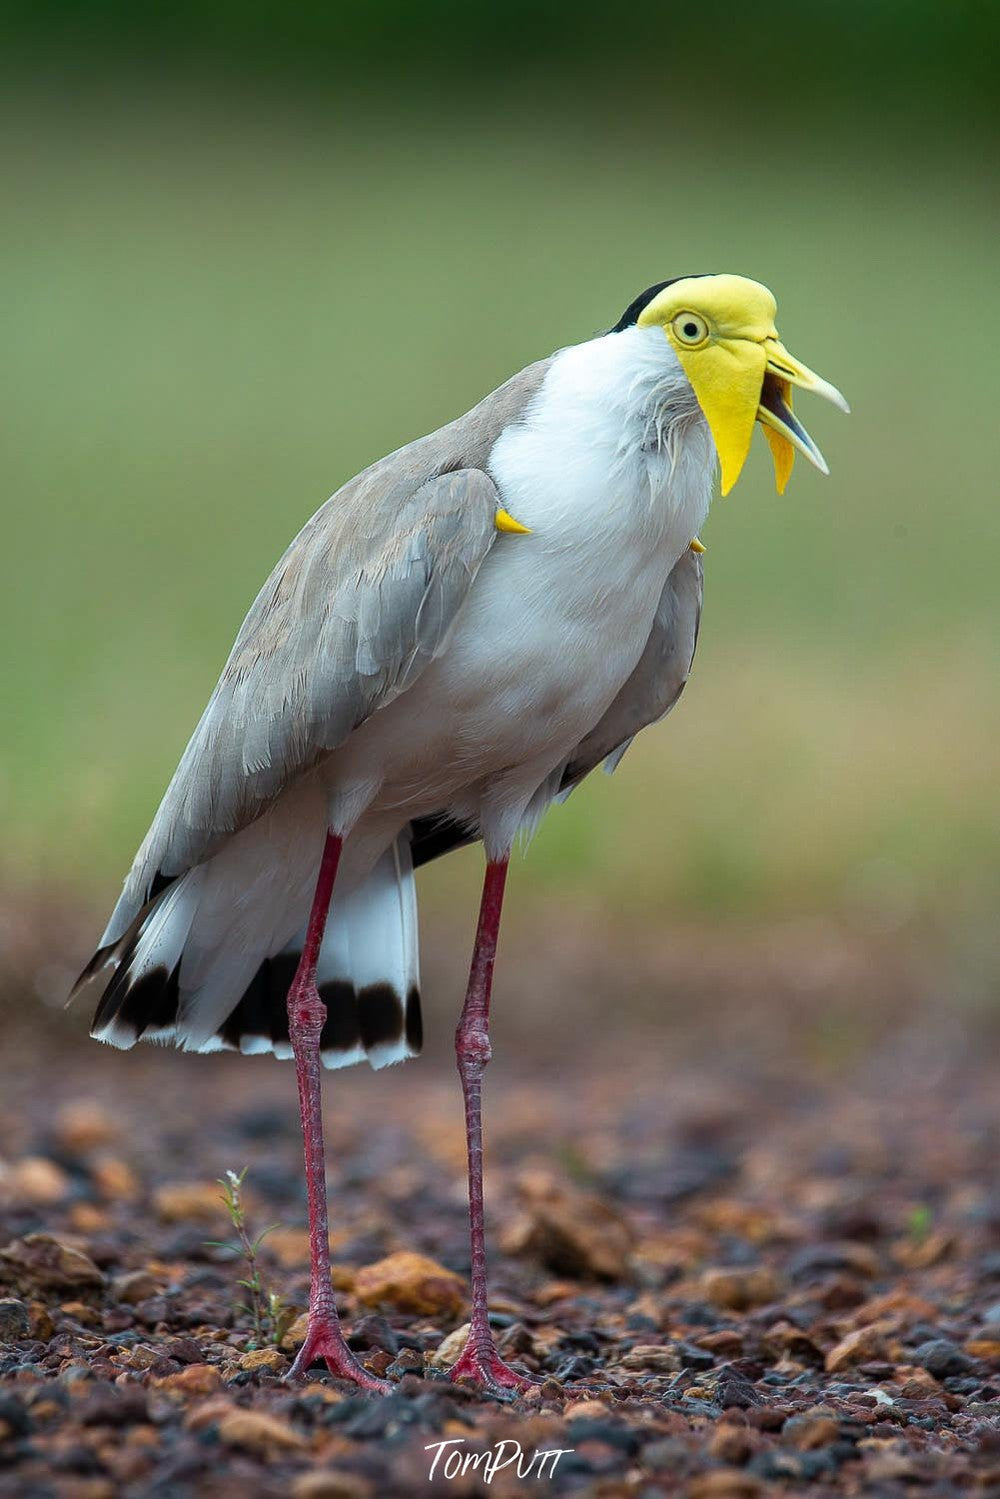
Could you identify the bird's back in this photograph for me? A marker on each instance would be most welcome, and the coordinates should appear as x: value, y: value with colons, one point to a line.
x: 317, y: 651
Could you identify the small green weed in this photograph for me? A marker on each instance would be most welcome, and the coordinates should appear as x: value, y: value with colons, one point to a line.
x: 270, y: 1315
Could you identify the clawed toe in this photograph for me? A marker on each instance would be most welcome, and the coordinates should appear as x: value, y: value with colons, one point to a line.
x: 487, y: 1371
x: 326, y: 1342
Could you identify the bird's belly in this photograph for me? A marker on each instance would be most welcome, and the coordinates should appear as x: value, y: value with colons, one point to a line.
x: 553, y: 624
x: 538, y: 652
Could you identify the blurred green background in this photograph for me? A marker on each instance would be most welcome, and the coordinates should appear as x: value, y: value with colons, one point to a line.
x: 249, y: 249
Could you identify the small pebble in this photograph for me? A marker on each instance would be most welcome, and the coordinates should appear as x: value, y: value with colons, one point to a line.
x: 739, y: 1289
x: 259, y: 1432
x: 267, y: 1359
x: 36, y: 1182
x: 49, y: 1263
x: 941, y: 1357
x: 84, y: 1124
x: 196, y: 1379
x: 184, y: 1202
x: 413, y: 1283
x: 134, y: 1286
x: 328, y: 1483
x: 15, y: 1321
x: 856, y: 1348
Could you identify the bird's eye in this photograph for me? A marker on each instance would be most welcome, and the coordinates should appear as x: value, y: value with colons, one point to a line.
x: 690, y: 328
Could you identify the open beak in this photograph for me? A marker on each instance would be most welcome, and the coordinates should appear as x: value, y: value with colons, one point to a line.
x: 783, y: 431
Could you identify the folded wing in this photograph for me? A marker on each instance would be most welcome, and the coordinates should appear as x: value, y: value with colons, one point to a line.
x: 360, y: 603
x: 658, y: 679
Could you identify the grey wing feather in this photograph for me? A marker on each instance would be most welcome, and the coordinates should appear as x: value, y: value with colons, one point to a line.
x: 658, y: 678
x: 360, y: 603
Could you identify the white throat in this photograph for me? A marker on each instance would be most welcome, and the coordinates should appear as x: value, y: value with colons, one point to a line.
x: 612, y: 445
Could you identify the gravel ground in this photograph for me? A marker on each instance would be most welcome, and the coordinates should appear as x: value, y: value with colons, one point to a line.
x: 735, y: 1271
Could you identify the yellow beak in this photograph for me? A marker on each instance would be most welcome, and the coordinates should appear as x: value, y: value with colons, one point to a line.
x: 740, y: 381
x: 783, y: 431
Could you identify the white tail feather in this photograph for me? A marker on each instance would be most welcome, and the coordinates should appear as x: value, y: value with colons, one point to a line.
x: 220, y: 942
x: 373, y: 941
x: 160, y: 943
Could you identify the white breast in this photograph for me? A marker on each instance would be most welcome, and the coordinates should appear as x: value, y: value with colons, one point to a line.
x: 613, y: 492
x: 611, y: 466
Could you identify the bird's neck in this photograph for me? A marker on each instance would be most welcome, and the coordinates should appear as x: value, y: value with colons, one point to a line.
x: 612, y: 447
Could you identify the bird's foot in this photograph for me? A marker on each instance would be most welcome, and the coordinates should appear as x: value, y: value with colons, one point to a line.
x: 325, y: 1340
x: 482, y: 1366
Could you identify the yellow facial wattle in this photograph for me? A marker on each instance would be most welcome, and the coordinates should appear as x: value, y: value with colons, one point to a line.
x: 723, y: 333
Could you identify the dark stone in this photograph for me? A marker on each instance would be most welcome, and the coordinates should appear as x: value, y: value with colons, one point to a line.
x: 584, y: 1341
x: 668, y: 1453
x: 819, y: 1259
x: 922, y: 1332
x: 379, y: 1417
x: 611, y: 1433
x: 768, y: 1417
x: 407, y: 1361
x: 112, y: 1405
x: 700, y: 1314
x: 372, y: 1332
x: 14, y: 1321
x: 76, y: 1459
x: 173, y: 1476
x: 184, y: 1350
x: 515, y: 1341
x: 692, y: 1357
x: 116, y: 1321
x: 776, y: 1464
x: 574, y: 1463
x: 153, y: 1310
x: 941, y: 1357
x: 709, y: 1408
x: 14, y: 1416
x: 734, y: 1393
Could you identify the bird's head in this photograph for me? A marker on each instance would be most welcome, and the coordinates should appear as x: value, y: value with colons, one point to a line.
x: 722, y: 330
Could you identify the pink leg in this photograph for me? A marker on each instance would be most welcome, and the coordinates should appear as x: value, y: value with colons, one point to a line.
x: 306, y: 1016
x: 480, y: 1360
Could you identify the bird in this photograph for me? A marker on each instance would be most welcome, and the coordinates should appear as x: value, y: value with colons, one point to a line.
x: 456, y: 639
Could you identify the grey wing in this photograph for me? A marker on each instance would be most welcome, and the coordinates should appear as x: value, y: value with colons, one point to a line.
x: 657, y: 680
x: 361, y: 602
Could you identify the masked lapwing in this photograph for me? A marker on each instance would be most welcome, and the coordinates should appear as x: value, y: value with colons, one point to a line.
x: 456, y: 638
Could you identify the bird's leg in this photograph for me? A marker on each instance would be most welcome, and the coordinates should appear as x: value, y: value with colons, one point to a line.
x: 480, y: 1360
x: 306, y: 1017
